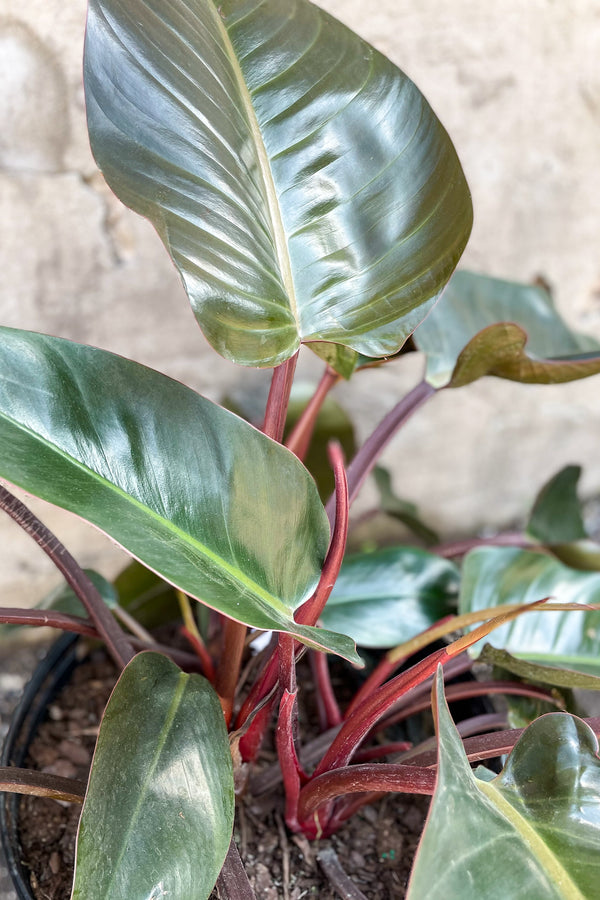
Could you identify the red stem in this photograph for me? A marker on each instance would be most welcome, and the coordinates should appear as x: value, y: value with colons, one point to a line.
x: 371, y: 753
x: 468, y: 690
x: 370, y: 451
x: 201, y: 652
x: 355, y: 729
x: 116, y: 641
x: 382, y: 672
x: 329, y: 711
x: 311, y: 610
x: 279, y: 398
x: 299, y: 440
x: 291, y: 770
x: 309, y: 613
x: 252, y: 738
x: 358, y: 779
x: 230, y: 660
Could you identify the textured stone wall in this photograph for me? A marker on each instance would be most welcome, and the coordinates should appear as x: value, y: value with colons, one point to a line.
x: 517, y: 86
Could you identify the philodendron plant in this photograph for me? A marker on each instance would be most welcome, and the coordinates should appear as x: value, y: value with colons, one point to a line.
x: 307, y: 194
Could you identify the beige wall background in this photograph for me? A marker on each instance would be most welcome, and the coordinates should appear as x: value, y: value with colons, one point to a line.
x: 516, y: 84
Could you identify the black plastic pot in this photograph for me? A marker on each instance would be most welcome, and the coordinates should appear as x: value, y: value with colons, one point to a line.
x: 47, y: 680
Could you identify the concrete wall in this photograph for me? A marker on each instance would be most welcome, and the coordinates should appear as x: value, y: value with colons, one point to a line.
x: 517, y: 86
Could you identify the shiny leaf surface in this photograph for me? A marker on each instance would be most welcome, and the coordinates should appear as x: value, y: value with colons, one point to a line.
x: 384, y: 598
x: 485, y: 326
x: 191, y: 490
x: 530, y: 833
x: 556, y: 517
x: 301, y: 183
x: 158, y: 814
x: 492, y: 576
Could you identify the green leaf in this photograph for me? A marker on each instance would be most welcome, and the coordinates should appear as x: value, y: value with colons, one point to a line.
x: 387, y: 597
x: 566, y: 678
x: 346, y: 362
x: 301, y: 183
x: 492, y: 576
x: 556, y: 517
x: 158, y: 814
x: 584, y: 555
x: 485, y: 326
x: 341, y: 359
x: 405, y: 512
x: 146, y: 596
x: 530, y: 833
x: 198, y: 495
x: 333, y: 423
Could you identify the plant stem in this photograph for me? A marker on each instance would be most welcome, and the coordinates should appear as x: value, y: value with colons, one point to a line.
x: 47, y: 618
x: 288, y: 759
x: 329, y: 711
x: 78, y: 625
x: 299, y: 439
x: 41, y: 784
x: 309, y: 612
x: 509, y: 539
x: 117, y: 643
x: 234, y: 639
x: 279, y: 398
x: 193, y: 636
x: 360, y: 723
x: 358, y: 779
x: 467, y: 690
x: 382, y: 671
x: 230, y: 661
x: 370, y: 451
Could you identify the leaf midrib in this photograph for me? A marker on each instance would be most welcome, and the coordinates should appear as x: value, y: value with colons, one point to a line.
x: 279, y: 234
x: 555, y: 870
x: 149, y: 775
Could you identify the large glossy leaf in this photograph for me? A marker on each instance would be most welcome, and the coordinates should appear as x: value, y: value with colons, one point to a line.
x: 301, y: 183
x: 493, y: 576
x: 191, y: 490
x: 485, y: 326
x: 158, y: 814
x: 531, y: 833
x: 557, y: 517
x: 384, y: 598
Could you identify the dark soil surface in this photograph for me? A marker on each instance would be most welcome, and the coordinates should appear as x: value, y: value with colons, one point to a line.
x: 375, y: 848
